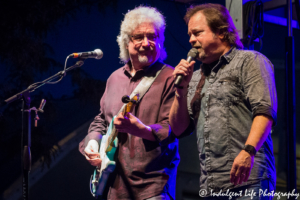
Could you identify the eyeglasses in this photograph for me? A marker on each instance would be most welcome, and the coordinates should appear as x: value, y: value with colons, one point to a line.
x: 139, y: 38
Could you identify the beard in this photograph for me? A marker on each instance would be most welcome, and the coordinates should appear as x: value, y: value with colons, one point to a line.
x: 143, y: 59
x: 202, y: 55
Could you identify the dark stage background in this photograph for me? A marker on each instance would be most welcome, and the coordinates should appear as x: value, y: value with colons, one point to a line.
x: 36, y: 38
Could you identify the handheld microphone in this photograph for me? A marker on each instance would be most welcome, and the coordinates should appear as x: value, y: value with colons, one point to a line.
x: 190, y: 57
x: 97, y: 54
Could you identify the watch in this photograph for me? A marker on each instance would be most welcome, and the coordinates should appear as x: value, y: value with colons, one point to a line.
x: 250, y: 149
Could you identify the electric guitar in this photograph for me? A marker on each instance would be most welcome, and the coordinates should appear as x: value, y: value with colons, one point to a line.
x: 108, y: 147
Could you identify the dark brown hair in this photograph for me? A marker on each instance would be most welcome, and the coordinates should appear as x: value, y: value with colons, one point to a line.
x: 218, y: 20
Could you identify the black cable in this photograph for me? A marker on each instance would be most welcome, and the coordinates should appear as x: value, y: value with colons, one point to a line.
x: 253, y: 26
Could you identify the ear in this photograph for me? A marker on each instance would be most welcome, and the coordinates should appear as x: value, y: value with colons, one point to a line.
x: 221, y: 36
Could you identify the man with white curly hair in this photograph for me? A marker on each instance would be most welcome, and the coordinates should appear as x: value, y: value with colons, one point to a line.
x: 147, y: 154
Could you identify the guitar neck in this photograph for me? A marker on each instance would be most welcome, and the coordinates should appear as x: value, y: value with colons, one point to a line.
x: 114, y: 132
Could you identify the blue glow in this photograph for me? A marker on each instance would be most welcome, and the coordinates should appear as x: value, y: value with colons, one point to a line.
x: 279, y: 20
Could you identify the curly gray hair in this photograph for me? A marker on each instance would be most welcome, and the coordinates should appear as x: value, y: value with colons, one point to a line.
x: 132, y: 20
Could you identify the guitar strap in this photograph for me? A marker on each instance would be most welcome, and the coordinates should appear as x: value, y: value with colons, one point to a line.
x: 143, y: 87
x: 140, y: 89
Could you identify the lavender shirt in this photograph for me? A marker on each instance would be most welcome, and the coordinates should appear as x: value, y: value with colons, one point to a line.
x: 144, y: 168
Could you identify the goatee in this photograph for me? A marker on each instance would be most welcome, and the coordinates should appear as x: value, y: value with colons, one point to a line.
x: 143, y: 59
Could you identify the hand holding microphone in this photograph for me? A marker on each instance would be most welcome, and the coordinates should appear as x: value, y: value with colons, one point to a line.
x: 184, y: 70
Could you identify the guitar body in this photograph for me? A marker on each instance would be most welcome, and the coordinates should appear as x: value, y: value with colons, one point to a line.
x: 101, y: 174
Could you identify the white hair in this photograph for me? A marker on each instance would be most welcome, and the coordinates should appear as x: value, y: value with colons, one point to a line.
x: 132, y: 20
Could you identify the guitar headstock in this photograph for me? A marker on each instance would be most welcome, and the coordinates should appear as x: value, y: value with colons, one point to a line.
x: 131, y: 102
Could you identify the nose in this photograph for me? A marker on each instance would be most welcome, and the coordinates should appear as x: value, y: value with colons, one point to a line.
x: 145, y: 42
x: 193, y: 39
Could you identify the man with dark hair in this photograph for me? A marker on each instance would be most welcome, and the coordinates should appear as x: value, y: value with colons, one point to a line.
x: 231, y: 103
x: 147, y: 154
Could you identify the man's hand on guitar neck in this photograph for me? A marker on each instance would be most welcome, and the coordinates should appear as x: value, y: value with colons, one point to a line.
x: 91, y: 153
x: 131, y: 124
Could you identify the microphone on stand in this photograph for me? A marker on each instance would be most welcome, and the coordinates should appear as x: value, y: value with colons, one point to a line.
x: 97, y: 54
x: 190, y: 57
x: 41, y: 108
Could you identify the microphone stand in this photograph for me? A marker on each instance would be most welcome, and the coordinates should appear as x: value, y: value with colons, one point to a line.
x: 26, y: 140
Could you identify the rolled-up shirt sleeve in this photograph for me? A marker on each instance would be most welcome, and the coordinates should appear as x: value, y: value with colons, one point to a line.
x: 162, y: 129
x: 259, y: 86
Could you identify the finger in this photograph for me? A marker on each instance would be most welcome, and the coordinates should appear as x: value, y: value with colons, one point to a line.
x: 183, y: 62
x: 86, y: 157
x: 88, y: 150
x: 242, y: 177
x: 95, y: 162
x: 117, y: 121
x: 189, y: 69
x: 130, y: 115
x: 247, y: 174
x: 91, y: 160
x: 121, y: 114
x: 92, y: 154
x: 126, y: 116
x: 232, y: 173
x: 238, y: 175
x: 180, y: 69
x: 185, y: 67
x: 236, y: 179
x: 182, y: 72
x: 192, y: 65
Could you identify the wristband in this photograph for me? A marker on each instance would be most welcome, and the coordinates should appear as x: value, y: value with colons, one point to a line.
x: 250, y: 149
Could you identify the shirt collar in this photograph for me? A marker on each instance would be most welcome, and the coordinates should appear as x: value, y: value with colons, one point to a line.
x: 145, y: 70
x: 230, y: 54
x: 227, y: 57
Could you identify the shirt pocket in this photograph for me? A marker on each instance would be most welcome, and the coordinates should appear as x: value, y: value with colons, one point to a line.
x: 230, y: 92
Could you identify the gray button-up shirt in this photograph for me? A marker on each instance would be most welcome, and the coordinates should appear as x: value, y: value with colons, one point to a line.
x: 238, y: 87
